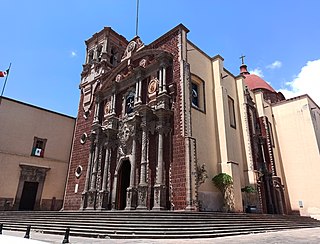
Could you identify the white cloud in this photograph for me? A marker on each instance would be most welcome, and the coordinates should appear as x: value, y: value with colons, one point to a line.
x: 306, y: 82
x: 275, y: 65
x: 73, y: 54
x: 257, y: 71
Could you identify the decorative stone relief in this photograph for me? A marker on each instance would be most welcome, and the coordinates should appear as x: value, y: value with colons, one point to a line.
x: 33, y: 173
x: 88, y: 91
x: 118, y: 77
x: 132, y: 47
x: 107, y: 108
x: 153, y: 86
x: 143, y: 63
x: 125, y: 132
x: 152, y: 90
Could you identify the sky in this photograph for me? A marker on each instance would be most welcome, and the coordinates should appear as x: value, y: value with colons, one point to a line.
x: 44, y: 41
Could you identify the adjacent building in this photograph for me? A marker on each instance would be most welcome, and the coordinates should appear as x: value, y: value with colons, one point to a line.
x: 35, y: 147
x: 151, y: 117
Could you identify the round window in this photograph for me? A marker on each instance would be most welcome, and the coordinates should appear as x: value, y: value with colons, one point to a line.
x: 78, y: 171
x: 83, y: 138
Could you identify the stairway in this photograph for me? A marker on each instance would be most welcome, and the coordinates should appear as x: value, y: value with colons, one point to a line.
x: 151, y: 224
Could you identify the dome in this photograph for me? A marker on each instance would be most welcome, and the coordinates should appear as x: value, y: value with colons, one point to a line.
x: 253, y: 81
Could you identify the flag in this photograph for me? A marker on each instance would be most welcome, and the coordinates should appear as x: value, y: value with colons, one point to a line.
x: 4, y: 73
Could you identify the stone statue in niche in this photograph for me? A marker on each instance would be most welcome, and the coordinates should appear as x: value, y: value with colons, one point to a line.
x: 124, y: 135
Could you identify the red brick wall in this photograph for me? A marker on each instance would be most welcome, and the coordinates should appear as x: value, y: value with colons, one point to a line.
x: 79, y: 156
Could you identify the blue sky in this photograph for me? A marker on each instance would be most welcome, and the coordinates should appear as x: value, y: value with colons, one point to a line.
x: 44, y: 40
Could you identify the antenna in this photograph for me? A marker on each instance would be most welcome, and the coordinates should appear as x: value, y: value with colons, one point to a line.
x: 137, y: 18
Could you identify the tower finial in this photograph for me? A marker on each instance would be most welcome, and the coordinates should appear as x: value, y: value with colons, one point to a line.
x: 243, y: 67
x: 242, y: 58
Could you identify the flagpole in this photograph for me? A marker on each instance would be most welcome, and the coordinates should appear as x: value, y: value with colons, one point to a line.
x: 5, y: 82
x: 137, y: 18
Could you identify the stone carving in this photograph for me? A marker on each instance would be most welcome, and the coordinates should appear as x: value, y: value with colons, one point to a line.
x: 134, y: 46
x: 125, y: 132
x: 153, y: 86
x: 33, y: 173
x: 107, y: 108
x: 88, y: 91
x: 118, y: 77
x: 143, y: 63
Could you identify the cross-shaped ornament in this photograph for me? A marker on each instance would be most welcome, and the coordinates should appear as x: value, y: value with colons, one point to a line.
x: 242, y: 59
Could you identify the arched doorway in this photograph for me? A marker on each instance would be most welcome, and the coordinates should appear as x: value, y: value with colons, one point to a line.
x: 123, y: 184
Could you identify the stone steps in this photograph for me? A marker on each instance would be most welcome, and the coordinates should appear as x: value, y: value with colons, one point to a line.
x: 151, y: 224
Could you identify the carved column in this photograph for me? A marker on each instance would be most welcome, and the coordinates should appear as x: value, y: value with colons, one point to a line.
x: 96, y: 112
x: 163, y: 78
x: 92, y: 193
x: 159, y: 187
x: 143, y: 186
x: 131, y: 191
x: 163, y: 127
x: 104, y: 193
x: 84, y: 199
x: 137, y: 99
x: 113, y: 104
x: 160, y: 80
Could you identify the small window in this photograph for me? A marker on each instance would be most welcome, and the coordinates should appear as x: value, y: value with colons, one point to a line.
x: 90, y: 57
x: 129, y: 103
x: 99, y: 51
x: 197, y: 93
x: 232, y: 116
x: 113, y: 56
x: 38, y: 148
x: 271, y: 134
x: 252, y: 121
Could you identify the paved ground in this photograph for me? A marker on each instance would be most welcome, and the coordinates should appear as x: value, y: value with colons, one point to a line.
x: 310, y: 236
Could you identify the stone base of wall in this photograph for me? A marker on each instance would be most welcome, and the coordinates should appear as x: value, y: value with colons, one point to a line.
x: 6, y: 203
x: 51, y: 204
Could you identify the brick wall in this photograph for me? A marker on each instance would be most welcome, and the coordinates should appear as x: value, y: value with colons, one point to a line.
x: 79, y: 156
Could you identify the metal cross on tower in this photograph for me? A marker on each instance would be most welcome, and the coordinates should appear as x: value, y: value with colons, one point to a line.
x: 242, y: 59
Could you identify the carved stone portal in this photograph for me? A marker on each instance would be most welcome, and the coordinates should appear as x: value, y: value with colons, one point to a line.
x: 30, y: 175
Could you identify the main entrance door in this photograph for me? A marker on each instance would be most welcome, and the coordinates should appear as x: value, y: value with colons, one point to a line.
x: 28, y: 197
x: 123, y: 184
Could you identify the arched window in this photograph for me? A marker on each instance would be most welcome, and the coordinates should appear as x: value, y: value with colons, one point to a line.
x: 197, y: 93
x: 90, y: 57
x: 113, y: 56
x: 99, y: 51
x: 129, y: 102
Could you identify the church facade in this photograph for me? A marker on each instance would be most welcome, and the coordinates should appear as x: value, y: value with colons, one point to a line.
x: 152, y: 116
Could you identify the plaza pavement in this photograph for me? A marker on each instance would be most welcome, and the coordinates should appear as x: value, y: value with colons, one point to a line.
x: 309, y: 235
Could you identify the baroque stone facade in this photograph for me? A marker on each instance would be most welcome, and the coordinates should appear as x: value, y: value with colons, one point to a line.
x: 130, y: 112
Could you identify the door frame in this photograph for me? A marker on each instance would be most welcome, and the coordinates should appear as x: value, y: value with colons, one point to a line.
x: 31, y: 173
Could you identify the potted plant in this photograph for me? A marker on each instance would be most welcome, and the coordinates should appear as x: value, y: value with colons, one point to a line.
x: 249, y: 192
x: 224, y: 183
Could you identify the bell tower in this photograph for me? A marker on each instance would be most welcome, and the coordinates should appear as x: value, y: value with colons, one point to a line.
x: 103, y: 52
